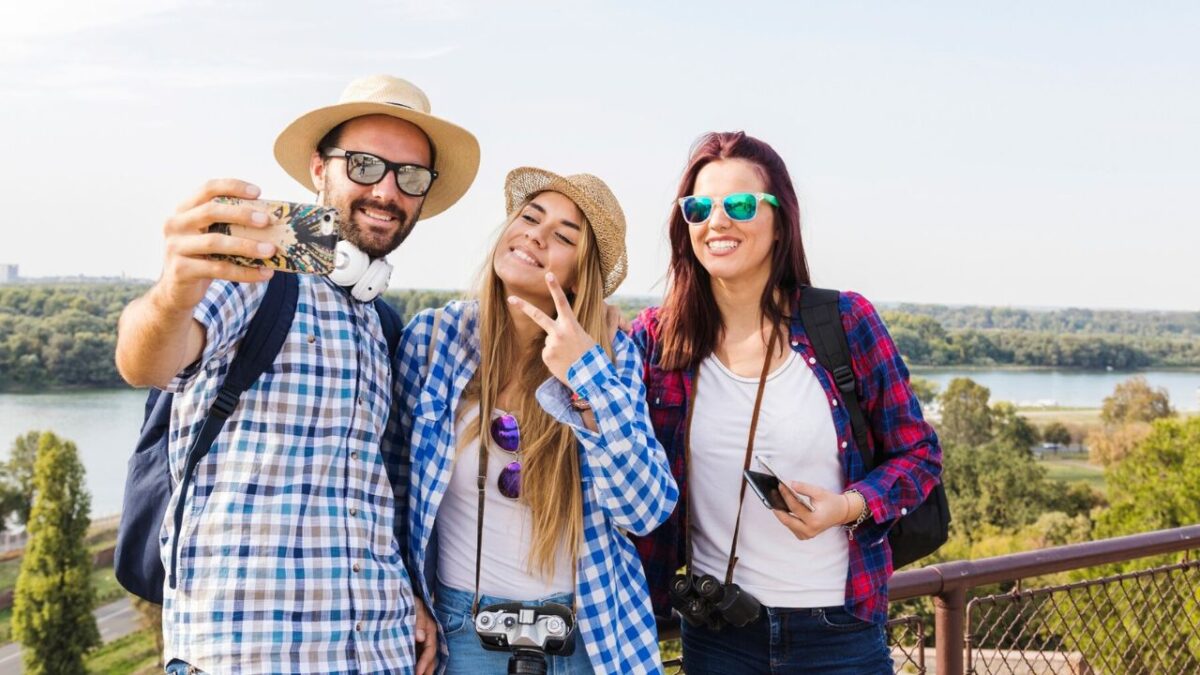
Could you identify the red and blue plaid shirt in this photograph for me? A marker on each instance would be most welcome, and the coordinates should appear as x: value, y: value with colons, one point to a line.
x: 906, y: 448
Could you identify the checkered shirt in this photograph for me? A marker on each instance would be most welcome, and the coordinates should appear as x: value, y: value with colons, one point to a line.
x: 627, y: 485
x: 906, y: 447
x: 288, y: 562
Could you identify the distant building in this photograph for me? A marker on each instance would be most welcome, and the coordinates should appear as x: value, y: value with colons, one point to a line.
x: 8, y: 274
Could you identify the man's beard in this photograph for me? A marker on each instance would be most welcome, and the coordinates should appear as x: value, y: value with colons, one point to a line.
x: 351, y: 233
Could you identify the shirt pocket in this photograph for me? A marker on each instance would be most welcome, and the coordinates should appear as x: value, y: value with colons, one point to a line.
x: 667, y: 406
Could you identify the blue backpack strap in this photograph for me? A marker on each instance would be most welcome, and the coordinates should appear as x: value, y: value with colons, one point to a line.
x: 393, y: 325
x: 257, y: 351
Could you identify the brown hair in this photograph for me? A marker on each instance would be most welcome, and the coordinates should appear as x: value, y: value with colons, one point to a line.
x: 690, y: 323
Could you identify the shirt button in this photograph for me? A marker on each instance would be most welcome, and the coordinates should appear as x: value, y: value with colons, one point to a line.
x: 358, y: 626
x: 355, y: 567
x: 811, y: 360
x: 354, y: 455
x: 904, y: 512
x: 835, y: 402
x: 312, y: 339
x: 353, y: 511
x: 844, y: 444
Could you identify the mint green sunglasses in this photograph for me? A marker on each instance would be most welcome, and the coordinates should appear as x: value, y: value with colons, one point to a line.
x: 739, y: 206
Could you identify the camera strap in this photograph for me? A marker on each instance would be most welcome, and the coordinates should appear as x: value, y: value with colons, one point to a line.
x: 481, y: 487
x: 687, y: 450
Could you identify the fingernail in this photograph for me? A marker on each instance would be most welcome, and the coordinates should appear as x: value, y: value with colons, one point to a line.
x: 265, y: 249
x: 259, y: 217
x: 253, y: 191
x: 549, y: 276
x: 265, y: 272
x: 512, y: 299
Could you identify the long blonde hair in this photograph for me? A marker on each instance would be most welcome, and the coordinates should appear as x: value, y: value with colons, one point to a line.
x: 550, y: 478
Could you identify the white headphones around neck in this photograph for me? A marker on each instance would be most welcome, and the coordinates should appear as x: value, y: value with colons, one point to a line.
x: 353, y: 269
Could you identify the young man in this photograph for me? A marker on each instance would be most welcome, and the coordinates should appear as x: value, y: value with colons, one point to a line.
x: 288, y: 560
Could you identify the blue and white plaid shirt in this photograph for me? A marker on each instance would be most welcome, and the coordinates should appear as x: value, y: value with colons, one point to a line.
x: 288, y: 560
x: 627, y: 485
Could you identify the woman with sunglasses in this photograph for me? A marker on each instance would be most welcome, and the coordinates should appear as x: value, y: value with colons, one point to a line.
x: 530, y: 378
x: 731, y: 374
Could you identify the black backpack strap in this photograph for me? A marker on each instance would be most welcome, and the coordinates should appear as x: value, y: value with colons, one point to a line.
x: 823, y: 325
x: 257, y: 351
x: 392, y: 324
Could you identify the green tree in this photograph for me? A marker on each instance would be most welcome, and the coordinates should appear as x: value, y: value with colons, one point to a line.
x: 19, y: 473
x: 1057, y: 432
x: 1135, y: 401
x: 1158, y: 485
x: 994, y: 484
x: 1012, y: 429
x: 926, y: 390
x: 52, y: 605
x: 966, y: 417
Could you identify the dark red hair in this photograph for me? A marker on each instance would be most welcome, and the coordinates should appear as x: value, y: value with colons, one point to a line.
x: 690, y: 324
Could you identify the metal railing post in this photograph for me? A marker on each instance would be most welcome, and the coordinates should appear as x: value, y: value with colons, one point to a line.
x: 950, y: 630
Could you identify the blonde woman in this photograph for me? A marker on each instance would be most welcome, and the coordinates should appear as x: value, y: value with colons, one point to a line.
x: 532, y: 375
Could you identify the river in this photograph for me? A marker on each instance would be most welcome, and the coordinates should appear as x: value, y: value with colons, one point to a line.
x: 104, y: 424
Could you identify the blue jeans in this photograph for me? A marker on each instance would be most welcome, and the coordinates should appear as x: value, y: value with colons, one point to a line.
x: 452, y: 608
x: 825, y: 640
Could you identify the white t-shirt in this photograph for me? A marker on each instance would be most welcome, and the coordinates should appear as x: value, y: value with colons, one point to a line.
x: 507, y: 530
x: 796, y: 435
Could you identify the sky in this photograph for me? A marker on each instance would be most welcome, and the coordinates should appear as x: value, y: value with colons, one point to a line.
x: 1018, y: 153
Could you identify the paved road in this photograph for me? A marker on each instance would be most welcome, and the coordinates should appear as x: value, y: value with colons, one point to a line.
x: 114, y: 620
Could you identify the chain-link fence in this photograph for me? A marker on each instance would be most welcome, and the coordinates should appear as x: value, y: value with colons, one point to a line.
x: 1138, y: 623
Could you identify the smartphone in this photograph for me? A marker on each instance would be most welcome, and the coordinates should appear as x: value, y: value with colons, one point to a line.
x: 803, y: 499
x: 305, y: 235
x: 766, y: 487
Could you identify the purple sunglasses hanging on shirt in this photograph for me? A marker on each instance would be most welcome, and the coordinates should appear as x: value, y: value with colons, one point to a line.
x: 506, y: 434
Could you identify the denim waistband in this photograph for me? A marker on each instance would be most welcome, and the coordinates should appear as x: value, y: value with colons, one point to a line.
x: 455, y: 600
x: 812, y: 611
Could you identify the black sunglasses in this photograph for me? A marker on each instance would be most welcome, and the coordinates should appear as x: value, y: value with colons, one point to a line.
x: 364, y: 168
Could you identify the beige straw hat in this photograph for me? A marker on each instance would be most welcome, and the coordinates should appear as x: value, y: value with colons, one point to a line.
x: 598, y: 204
x: 456, y: 150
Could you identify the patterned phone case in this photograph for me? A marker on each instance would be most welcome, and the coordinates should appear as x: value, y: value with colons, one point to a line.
x: 304, y: 234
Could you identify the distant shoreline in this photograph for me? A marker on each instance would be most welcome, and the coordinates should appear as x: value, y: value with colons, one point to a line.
x: 915, y: 370
x: 1045, y: 369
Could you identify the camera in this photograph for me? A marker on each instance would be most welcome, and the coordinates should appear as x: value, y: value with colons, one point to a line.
x: 704, y: 601
x: 530, y: 632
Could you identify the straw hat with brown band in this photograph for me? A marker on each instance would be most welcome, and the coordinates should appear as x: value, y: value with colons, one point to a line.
x: 455, y: 149
x: 598, y: 204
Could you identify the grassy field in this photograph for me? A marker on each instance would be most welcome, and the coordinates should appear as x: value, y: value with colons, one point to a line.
x: 134, y: 654
x: 1070, y: 470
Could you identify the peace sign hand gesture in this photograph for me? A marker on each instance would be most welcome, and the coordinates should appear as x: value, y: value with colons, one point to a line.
x: 566, y: 340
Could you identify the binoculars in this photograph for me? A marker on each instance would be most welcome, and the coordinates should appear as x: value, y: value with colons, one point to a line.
x: 704, y: 601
